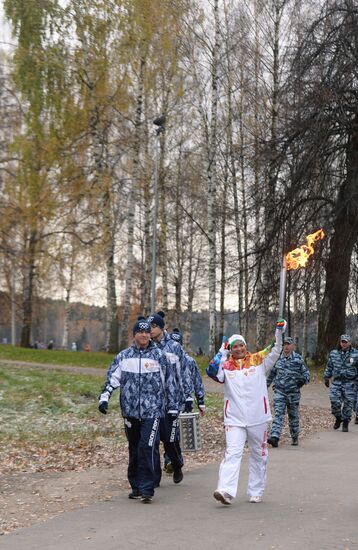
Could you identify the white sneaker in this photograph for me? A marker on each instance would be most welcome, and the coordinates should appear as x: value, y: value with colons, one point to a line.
x: 255, y: 499
x: 222, y: 497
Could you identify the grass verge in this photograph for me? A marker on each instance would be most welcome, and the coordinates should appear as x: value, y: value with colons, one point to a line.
x: 50, y: 421
x: 56, y: 357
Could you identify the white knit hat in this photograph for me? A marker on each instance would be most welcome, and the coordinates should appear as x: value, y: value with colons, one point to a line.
x: 236, y: 338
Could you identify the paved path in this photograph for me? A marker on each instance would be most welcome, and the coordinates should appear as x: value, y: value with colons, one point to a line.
x: 311, y: 503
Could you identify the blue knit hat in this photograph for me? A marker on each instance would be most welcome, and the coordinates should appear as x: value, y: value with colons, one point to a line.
x: 157, y: 319
x: 177, y: 335
x: 141, y: 325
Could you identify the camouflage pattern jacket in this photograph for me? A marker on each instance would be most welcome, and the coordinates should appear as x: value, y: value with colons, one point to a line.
x: 289, y: 374
x: 146, y: 380
x: 342, y: 366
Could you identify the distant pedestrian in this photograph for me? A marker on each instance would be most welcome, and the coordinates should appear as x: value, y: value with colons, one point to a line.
x: 147, y: 392
x: 50, y: 344
x: 288, y: 375
x: 342, y: 366
x: 73, y: 346
x: 246, y: 412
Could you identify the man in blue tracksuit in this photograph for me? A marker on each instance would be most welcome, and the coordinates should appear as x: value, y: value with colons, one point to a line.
x: 148, y: 391
x: 196, y: 378
x: 198, y: 388
x: 288, y: 375
x: 342, y: 366
x: 169, y: 427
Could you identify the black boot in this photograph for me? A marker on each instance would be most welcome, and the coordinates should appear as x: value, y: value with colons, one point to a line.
x: 356, y: 420
x: 177, y: 475
x: 273, y: 441
x: 337, y: 423
x: 294, y: 441
x: 345, y: 426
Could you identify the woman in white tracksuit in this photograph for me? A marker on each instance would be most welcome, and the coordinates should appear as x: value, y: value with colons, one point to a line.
x: 246, y: 412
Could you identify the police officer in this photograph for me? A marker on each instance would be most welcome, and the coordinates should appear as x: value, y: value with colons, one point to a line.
x: 169, y: 426
x: 342, y: 366
x: 288, y: 375
x: 147, y: 392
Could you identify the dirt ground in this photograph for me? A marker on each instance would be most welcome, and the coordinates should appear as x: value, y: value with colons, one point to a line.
x: 29, y: 498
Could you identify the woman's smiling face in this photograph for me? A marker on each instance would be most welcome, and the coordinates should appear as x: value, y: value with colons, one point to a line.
x: 238, y: 350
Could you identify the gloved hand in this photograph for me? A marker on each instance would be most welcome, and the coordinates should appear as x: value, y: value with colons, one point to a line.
x: 300, y: 383
x: 281, y: 325
x: 172, y: 415
x: 224, y: 349
x: 201, y: 404
x: 188, y: 406
x: 103, y: 407
x: 326, y: 382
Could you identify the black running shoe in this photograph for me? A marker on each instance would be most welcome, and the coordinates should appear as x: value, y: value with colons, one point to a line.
x: 134, y: 495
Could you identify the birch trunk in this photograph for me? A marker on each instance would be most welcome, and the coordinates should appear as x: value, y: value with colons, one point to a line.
x: 223, y: 257
x: 123, y: 339
x: 147, y: 251
x: 28, y: 286
x: 163, y: 230
x: 211, y: 184
x: 267, y: 265
x: 66, y: 320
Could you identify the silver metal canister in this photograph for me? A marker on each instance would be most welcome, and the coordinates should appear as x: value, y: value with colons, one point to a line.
x: 190, y: 437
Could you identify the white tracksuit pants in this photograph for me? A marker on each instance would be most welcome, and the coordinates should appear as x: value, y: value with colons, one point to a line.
x: 229, y: 471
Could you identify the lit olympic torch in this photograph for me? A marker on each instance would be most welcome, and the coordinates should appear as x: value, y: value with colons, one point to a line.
x: 293, y: 260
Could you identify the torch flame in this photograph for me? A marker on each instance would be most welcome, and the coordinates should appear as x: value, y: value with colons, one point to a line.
x: 299, y: 256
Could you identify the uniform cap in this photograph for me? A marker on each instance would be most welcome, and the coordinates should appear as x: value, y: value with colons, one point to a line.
x: 141, y: 325
x: 176, y: 335
x: 157, y: 319
x: 345, y: 338
x: 288, y: 340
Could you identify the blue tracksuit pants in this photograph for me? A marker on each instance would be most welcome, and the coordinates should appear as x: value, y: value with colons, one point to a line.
x: 143, y: 447
x: 169, y: 435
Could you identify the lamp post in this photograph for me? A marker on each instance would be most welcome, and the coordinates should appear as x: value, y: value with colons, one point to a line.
x: 159, y: 123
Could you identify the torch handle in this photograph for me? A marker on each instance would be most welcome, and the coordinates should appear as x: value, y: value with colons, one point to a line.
x: 282, y: 295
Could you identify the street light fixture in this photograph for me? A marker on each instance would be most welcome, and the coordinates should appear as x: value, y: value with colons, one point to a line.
x: 159, y: 122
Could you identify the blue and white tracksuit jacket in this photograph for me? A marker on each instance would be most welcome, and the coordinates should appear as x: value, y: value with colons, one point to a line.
x: 169, y: 427
x: 196, y: 378
x: 179, y: 360
x: 148, y: 386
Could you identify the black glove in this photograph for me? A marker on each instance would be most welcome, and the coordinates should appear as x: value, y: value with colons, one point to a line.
x: 188, y: 407
x: 103, y: 407
x: 172, y: 415
x: 326, y: 382
x: 300, y: 384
